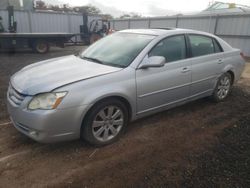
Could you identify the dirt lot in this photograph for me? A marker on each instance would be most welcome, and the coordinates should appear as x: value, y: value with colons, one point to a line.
x: 200, y: 144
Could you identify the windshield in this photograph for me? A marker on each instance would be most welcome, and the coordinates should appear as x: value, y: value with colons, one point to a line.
x: 118, y: 49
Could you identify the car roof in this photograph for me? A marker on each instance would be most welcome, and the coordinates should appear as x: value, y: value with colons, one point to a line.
x: 156, y: 31
x: 163, y: 32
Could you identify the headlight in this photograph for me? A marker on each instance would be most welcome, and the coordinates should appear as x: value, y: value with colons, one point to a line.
x: 46, y: 101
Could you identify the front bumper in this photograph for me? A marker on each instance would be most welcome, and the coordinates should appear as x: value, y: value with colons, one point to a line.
x: 47, y: 126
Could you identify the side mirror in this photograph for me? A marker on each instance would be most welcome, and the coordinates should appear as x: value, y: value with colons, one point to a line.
x: 154, y: 61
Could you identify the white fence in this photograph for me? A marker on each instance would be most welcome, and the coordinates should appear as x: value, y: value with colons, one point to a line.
x: 234, y: 28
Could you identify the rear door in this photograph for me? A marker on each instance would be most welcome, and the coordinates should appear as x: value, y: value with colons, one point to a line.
x: 207, y: 63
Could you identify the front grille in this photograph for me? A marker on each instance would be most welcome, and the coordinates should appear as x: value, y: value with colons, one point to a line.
x: 15, y: 96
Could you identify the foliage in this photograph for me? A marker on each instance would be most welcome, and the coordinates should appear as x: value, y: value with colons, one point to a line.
x: 40, y: 5
x: 89, y: 9
x: 108, y: 16
x: 130, y: 15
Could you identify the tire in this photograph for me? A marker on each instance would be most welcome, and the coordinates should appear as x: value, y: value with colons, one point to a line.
x: 105, y: 122
x: 223, y: 88
x: 41, y: 46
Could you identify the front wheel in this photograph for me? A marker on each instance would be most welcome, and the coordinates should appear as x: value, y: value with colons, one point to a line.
x: 105, y: 122
x: 223, y: 87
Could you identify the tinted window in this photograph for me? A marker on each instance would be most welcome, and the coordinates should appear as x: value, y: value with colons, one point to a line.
x: 217, y: 48
x: 201, y: 45
x: 172, y: 48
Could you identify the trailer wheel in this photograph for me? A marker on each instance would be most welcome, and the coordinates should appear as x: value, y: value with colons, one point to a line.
x: 41, y: 46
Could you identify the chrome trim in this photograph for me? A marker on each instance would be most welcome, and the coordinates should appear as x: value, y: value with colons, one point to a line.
x: 180, y: 100
x: 176, y: 87
x: 163, y: 90
x: 204, y: 79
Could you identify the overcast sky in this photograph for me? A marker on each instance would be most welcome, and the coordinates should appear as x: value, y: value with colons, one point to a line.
x: 149, y: 7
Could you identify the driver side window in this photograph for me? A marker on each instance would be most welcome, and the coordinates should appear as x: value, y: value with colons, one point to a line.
x: 172, y: 48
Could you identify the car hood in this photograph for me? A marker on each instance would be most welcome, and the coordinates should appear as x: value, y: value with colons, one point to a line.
x: 53, y: 73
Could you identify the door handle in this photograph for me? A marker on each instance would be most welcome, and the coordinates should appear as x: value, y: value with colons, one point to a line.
x: 220, y: 61
x: 185, y: 69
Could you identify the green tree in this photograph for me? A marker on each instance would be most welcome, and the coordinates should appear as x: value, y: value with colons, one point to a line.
x: 89, y: 9
x: 130, y: 15
x: 108, y: 16
x: 40, y: 5
x: 124, y: 16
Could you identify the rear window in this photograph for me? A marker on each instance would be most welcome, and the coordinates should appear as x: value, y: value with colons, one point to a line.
x: 203, y: 45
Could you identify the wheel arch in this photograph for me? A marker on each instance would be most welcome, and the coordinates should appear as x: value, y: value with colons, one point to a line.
x: 123, y: 99
x: 232, y: 75
x: 230, y: 69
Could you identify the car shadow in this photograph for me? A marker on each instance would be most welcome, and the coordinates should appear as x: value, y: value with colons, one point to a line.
x: 143, y: 122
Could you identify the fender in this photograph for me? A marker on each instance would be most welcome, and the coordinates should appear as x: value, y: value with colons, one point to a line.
x: 227, y: 68
x: 95, y: 99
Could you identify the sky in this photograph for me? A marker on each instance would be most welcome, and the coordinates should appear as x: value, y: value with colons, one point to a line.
x: 149, y: 7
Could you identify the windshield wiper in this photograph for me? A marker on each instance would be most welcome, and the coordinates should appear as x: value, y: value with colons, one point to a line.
x: 116, y: 65
x: 101, y: 62
x: 93, y: 59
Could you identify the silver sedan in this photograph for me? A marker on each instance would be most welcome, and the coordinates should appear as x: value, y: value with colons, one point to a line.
x: 125, y: 76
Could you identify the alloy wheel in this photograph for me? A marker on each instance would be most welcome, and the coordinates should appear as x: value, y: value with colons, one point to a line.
x: 223, y: 87
x: 107, y: 123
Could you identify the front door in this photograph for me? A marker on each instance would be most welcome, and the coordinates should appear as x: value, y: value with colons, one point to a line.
x: 170, y: 84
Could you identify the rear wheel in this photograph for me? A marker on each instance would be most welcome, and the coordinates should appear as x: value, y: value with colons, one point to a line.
x: 223, y: 87
x: 41, y: 46
x: 105, y: 122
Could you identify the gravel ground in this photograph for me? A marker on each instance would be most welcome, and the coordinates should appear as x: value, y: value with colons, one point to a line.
x: 200, y: 144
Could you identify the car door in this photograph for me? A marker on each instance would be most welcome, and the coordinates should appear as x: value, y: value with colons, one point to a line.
x: 162, y: 86
x: 207, y: 62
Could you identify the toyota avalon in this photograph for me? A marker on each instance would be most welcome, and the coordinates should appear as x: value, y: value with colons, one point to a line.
x: 120, y: 78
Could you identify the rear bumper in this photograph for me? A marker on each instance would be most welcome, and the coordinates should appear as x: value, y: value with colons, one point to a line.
x: 47, y: 126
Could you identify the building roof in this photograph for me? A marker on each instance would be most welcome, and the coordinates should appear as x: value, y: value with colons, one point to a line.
x: 221, y: 8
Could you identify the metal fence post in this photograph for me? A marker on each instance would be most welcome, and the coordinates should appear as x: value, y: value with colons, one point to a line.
x: 128, y: 23
x: 30, y: 22
x: 177, y: 20
x: 149, y: 23
x: 69, y: 23
x: 216, y: 24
